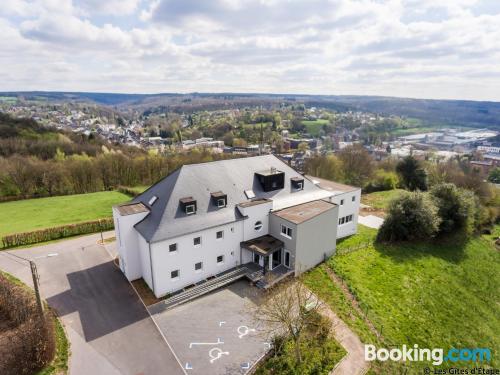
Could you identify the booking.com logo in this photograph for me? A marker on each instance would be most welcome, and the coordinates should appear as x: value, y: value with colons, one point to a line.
x: 436, y: 356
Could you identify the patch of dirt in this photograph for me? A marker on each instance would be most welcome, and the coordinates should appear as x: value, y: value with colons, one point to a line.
x: 145, y: 293
x: 365, y: 211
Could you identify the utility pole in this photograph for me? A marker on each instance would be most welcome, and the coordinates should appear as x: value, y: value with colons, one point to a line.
x: 34, y: 273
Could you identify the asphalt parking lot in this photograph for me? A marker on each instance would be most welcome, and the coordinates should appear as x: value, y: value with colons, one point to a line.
x: 216, y: 333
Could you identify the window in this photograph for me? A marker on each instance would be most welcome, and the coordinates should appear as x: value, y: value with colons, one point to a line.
x: 152, y: 200
x: 198, y: 266
x: 190, y: 209
x: 300, y: 185
x: 172, y: 247
x: 175, y: 274
x: 220, y: 259
x: 197, y: 241
x: 221, y: 203
x: 341, y: 202
x: 258, y: 226
x: 286, y: 231
x: 256, y: 258
x: 219, y: 234
x: 354, y: 198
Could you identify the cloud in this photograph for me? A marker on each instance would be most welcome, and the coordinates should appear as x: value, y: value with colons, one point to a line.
x: 396, y: 47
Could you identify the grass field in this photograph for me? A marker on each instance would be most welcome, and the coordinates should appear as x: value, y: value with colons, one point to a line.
x: 440, y: 295
x: 380, y: 199
x: 314, y: 127
x: 31, y: 214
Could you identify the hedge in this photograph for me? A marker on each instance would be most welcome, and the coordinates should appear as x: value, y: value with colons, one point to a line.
x: 28, y: 343
x: 54, y: 233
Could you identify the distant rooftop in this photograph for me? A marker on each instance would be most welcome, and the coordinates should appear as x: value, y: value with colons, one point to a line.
x: 303, y: 212
x: 331, y: 185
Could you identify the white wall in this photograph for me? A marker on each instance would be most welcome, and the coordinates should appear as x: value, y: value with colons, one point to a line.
x: 144, y: 252
x: 259, y: 212
x: 184, y: 259
x: 127, y: 242
x: 349, y: 207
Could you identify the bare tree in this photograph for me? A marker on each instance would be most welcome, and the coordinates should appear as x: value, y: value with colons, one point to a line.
x: 286, y: 310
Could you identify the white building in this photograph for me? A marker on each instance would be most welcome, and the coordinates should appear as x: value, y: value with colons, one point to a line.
x: 251, y: 213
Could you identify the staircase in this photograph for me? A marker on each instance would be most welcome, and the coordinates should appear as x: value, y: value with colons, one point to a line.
x: 200, y: 289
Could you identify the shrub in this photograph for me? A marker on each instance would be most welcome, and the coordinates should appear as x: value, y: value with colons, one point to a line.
x: 413, y: 176
x: 42, y: 235
x: 411, y: 216
x: 456, y: 208
x: 383, y: 180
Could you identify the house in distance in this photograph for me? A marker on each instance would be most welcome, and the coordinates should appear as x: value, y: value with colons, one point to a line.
x: 254, y: 213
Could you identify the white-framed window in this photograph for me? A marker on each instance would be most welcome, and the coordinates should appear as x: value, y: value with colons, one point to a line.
x: 258, y: 226
x: 300, y: 185
x: 286, y: 231
x: 174, y: 275
x: 250, y: 194
x: 198, y: 266
x: 354, y: 198
x: 197, y: 241
x: 341, y: 202
x: 219, y: 235
x: 221, y: 202
x: 190, y: 209
x: 220, y: 259
x: 172, y: 248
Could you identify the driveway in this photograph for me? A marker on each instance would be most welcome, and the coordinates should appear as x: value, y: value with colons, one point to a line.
x: 215, y: 334
x: 109, y: 329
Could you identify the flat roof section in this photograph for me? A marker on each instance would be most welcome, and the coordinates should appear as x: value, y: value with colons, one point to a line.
x: 131, y: 208
x: 263, y: 245
x: 331, y: 185
x: 254, y: 202
x: 303, y: 212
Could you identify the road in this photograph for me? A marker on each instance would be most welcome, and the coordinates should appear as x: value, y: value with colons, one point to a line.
x: 109, y: 329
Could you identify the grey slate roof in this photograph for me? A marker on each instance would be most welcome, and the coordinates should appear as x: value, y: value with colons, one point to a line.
x: 232, y: 177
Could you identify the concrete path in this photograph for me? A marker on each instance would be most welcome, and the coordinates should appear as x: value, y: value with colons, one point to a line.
x: 354, y: 362
x: 109, y: 329
x: 371, y: 221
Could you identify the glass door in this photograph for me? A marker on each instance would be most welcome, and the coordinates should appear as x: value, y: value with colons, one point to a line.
x: 277, y: 258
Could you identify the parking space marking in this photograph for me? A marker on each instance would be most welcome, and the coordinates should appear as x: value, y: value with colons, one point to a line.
x: 219, y: 341
x: 244, y: 330
x: 213, y: 357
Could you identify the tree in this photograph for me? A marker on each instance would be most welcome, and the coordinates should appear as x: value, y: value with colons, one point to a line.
x: 455, y: 208
x: 356, y: 164
x: 494, y: 175
x: 287, y: 310
x: 411, y: 216
x: 383, y: 180
x: 328, y: 167
x: 303, y: 147
x: 413, y: 175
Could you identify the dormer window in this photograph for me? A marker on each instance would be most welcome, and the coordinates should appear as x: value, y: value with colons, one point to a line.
x: 271, y: 179
x: 297, y: 183
x: 219, y: 199
x: 188, y: 205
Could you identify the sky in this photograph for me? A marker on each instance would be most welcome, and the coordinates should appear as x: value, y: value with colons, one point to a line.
x: 443, y: 49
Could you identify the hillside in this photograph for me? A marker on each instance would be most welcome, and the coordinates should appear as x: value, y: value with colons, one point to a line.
x: 432, y: 112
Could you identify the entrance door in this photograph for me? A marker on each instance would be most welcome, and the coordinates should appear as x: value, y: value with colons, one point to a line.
x: 256, y: 258
x: 277, y: 258
x: 287, y: 259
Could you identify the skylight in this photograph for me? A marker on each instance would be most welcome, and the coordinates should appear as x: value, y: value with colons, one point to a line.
x: 250, y: 194
x: 152, y: 200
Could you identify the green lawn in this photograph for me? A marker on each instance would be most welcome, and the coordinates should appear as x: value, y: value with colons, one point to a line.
x: 440, y: 295
x: 31, y: 214
x: 314, y: 127
x: 380, y: 199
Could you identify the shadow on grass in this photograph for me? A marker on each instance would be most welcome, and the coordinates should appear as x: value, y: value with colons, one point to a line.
x: 450, y: 248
